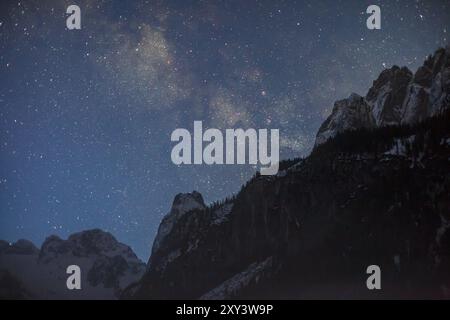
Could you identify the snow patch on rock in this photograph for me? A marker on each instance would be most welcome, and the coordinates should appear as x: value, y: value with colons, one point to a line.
x: 221, y: 213
x: 231, y: 286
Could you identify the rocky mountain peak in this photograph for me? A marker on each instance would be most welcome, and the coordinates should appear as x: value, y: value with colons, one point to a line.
x: 21, y: 246
x: 108, y: 265
x: 439, y: 61
x: 182, y: 203
x: 387, y: 94
x: 439, y: 94
x: 84, y: 244
x: 396, y: 97
x: 347, y: 114
x: 429, y: 90
x: 94, y: 241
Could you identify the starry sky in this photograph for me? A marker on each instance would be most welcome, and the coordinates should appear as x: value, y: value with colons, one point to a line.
x: 86, y: 115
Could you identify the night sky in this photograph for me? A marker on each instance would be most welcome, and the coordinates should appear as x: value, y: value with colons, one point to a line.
x: 86, y: 115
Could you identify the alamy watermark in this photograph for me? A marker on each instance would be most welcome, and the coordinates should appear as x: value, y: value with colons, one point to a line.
x: 73, y: 22
x: 73, y: 282
x: 239, y: 145
x: 374, y: 20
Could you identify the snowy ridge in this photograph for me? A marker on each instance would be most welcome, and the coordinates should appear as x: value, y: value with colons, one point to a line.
x: 107, y: 266
x: 396, y: 97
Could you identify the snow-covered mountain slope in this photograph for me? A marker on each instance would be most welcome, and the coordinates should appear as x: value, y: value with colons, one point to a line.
x: 107, y: 266
x: 348, y: 114
x: 396, y: 97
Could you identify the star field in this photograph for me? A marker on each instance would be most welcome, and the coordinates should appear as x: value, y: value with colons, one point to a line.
x: 86, y: 115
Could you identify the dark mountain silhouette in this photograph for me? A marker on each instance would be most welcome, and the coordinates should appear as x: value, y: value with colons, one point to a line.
x: 375, y: 190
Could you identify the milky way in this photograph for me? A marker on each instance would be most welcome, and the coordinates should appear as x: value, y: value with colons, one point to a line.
x: 86, y: 115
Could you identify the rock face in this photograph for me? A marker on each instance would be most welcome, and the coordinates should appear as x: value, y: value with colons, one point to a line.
x: 396, y: 97
x: 387, y: 95
x: 107, y: 266
x: 348, y: 114
x: 183, y: 203
x: 429, y: 92
x: 374, y: 194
